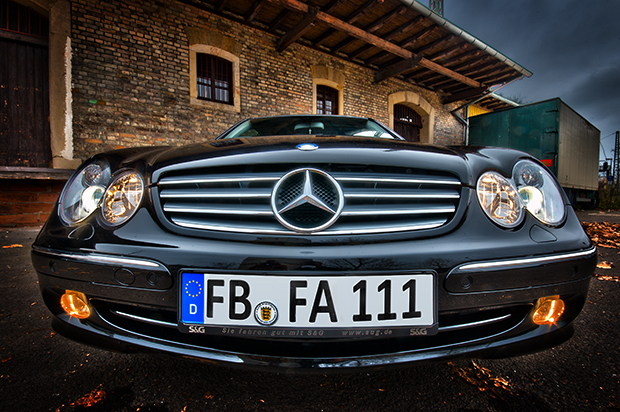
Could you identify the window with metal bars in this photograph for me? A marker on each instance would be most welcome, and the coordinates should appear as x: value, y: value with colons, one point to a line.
x: 214, y: 77
x: 326, y: 100
x: 23, y: 20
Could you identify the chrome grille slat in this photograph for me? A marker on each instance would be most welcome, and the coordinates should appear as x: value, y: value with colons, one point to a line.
x: 394, y: 179
x: 396, y: 209
x: 238, y: 199
x: 226, y: 193
x: 223, y: 178
x: 398, y: 194
x: 263, y: 210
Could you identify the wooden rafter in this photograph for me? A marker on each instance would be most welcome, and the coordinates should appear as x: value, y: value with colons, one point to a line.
x: 249, y: 18
x: 417, y: 36
x: 397, y: 68
x: 300, y: 28
x: 372, y: 27
x: 434, y: 44
x: 358, y: 14
x: 222, y: 5
x: 389, y: 36
x: 467, y: 94
x: 284, y: 15
x: 445, y: 52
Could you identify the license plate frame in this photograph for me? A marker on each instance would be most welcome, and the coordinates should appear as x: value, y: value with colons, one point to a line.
x: 322, y: 306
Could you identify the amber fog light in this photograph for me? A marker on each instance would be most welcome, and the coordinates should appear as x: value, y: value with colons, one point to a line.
x: 548, y: 310
x: 75, y: 304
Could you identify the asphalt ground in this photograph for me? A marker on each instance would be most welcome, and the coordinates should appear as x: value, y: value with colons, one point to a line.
x: 42, y: 371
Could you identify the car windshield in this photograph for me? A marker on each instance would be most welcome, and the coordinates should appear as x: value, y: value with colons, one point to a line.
x: 309, y: 125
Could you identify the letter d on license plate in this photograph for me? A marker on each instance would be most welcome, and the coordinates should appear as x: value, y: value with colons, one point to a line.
x: 323, y: 302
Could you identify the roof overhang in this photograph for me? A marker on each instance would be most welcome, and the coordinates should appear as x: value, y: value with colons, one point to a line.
x: 394, y: 38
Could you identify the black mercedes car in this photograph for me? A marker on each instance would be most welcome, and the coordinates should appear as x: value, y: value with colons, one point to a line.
x: 314, y: 242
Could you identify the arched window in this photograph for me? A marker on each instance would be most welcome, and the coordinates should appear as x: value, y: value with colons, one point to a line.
x: 407, y: 122
x: 326, y: 100
x: 214, y: 78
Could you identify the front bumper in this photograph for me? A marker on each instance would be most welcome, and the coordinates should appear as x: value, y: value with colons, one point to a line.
x: 486, y: 291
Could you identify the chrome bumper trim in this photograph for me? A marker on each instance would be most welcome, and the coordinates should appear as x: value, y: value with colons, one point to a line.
x: 515, y: 263
x: 99, y: 258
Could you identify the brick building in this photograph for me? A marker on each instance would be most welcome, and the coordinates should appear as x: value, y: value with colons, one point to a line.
x: 167, y: 72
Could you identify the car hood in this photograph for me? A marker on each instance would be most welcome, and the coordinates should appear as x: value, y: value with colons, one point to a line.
x: 466, y: 162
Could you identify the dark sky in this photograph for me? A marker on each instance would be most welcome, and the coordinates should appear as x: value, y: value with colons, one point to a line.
x: 572, y: 47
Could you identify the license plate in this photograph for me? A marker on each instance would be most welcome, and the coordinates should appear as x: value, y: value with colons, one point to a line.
x: 326, y: 304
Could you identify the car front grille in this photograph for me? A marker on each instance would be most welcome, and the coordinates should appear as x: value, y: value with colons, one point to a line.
x: 374, y: 200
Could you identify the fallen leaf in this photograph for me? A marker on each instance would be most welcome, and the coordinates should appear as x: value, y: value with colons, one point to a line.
x: 494, y: 386
x: 90, y: 399
x: 12, y: 246
x: 603, y: 234
x: 605, y: 265
x: 605, y: 277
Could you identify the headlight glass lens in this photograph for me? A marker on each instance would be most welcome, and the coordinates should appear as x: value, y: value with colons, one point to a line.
x: 82, y: 195
x: 539, y: 193
x: 499, y: 199
x: 122, y: 198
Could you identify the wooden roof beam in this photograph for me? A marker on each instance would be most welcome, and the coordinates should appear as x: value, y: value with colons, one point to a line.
x: 284, y: 15
x: 370, y: 28
x: 249, y: 18
x: 333, y: 5
x: 466, y: 95
x: 405, y: 43
x: 434, y: 43
x: 463, y: 56
x: 388, y: 36
x: 358, y: 14
x: 360, y: 34
x: 418, y: 36
x: 446, y: 52
x: 398, y: 68
x: 299, y: 30
x: 220, y: 7
x: 343, y: 44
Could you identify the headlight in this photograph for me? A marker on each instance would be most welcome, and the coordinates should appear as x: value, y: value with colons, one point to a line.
x: 532, y: 187
x: 122, y: 198
x: 499, y: 199
x: 82, y: 195
x: 540, y: 194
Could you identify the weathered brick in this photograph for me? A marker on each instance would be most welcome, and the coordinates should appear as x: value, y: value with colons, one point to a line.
x: 31, y: 208
x: 18, y: 197
x: 19, y: 220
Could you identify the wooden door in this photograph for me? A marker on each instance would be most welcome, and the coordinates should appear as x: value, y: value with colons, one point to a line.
x: 24, y: 104
x: 407, y: 123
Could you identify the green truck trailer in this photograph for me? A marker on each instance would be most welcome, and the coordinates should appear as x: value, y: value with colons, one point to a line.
x: 555, y: 134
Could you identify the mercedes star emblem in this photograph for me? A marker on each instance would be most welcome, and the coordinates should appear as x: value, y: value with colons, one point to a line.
x: 307, y: 200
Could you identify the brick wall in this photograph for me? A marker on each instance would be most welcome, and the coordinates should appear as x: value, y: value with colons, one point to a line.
x: 130, y: 70
x: 27, y: 202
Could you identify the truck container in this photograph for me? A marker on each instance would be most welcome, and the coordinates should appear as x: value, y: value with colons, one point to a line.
x: 555, y: 134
